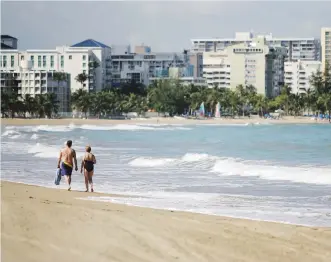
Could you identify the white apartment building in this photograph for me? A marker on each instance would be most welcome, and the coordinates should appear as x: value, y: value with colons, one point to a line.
x: 297, y: 48
x: 326, y: 46
x: 200, y: 81
x: 298, y: 74
x: 144, y: 67
x: 34, y: 82
x: 73, y: 60
x: 253, y: 63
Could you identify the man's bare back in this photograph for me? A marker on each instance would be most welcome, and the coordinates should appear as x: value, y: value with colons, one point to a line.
x: 66, y: 161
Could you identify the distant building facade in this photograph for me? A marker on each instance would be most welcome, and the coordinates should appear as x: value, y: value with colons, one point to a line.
x: 297, y: 48
x: 326, y: 46
x: 298, y: 74
x: 9, y: 42
x: 144, y: 65
x: 253, y: 63
x: 76, y: 59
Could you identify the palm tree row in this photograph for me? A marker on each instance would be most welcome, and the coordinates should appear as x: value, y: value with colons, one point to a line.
x: 172, y: 97
x: 39, y: 106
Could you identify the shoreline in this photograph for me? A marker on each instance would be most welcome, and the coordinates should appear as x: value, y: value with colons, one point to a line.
x: 160, y: 121
x: 102, y: 194
x: 47, y: 224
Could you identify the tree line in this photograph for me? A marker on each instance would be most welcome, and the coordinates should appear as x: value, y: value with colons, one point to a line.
x: 174, y: 98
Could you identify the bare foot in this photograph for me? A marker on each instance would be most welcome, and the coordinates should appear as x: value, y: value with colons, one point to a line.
x: 69, y: 189
x: 86, y: 190
x: 92, y: 190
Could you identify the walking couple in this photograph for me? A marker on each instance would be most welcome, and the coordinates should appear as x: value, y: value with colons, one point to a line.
x: 67, y: 159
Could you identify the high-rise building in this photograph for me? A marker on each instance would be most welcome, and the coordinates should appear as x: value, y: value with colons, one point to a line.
x: 90, y: 57
x: 298, y: 74
x: 297, y: 48
x: 253, y: 63
x: 326, y: 46
x: 143, y: 67
x: 8, y: 42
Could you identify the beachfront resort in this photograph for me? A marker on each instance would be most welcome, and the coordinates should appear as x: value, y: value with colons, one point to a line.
x: 187, y: 148
x: 264, y: 62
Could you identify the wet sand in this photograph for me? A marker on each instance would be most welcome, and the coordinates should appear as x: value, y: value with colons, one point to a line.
x: 42, y: 224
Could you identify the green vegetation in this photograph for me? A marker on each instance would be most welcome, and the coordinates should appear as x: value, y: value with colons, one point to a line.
x: 174, y: 98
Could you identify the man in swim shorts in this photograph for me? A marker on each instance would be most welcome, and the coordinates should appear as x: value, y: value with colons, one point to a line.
x: 67, y: 158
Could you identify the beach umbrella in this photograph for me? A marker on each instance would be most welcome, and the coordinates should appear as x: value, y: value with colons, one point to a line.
x: 202, y: 109
x: 279, y: 111
x: 218, y: 110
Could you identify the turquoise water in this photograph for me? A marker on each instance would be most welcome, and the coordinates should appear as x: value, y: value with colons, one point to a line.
x: 267, y: 172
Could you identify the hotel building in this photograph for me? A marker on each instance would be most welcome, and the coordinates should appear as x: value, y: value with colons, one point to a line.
x: 297, y: 48
x: 73, y: 60
x: 253, y: 63
x: 35, y: 69
x: 298, y: 74
x: 144, y: 65
x: 326, y: 46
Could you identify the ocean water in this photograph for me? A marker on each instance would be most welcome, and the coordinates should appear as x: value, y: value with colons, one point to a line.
x: 266, y: 172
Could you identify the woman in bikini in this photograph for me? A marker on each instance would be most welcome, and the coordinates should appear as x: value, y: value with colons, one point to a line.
x: 88, y: 165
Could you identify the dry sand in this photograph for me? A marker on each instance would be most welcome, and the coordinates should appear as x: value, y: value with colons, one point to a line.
x: 41, y: 224
x: 161, y: 120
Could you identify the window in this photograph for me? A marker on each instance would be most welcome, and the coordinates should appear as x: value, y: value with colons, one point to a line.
x: 84, y: 71
x: 4, y: 58
x: 84, y: 57
x: 62, y: 61
x: 52, y: 61
x: 39, y: 60
x: 32, y: 60
x: 70, y: 57
x: 84, y: 65
x: 22, y: 57
x: 44, y: 61
x: 12, y: 61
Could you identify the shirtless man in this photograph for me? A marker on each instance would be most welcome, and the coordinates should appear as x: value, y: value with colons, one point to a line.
x: 67, y: 158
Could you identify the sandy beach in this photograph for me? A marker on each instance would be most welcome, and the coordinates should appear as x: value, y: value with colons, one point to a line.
x: 161, y: 120
x: 41, y: 224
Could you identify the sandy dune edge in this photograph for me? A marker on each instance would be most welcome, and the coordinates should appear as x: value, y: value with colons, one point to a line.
x: 41, y: 224
x: 255, y: 120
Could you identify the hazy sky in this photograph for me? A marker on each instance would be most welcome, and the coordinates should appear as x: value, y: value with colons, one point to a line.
x: 165, y: 26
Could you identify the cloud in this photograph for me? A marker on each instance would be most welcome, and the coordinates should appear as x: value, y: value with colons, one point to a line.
x: 165, y: 25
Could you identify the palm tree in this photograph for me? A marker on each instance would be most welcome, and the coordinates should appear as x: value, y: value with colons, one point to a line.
x: 30, y: 104
x: 40, y: 101
x: 242, y: 97
x: 50, y: 104
x: 81, y: 78
x: 285, y: 93
x: 81, y: 100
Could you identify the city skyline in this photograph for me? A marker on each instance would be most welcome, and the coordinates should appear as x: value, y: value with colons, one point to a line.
x: 156, y: 24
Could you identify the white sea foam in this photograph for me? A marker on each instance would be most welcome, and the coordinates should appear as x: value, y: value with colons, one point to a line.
x: 223, y: 124
x: 238, y: 167
x: 132, y: 127
x: 46, y: 151
x: 215, y: 204
x: 127, y: 127
x: 11, y: 134
x: 43, y: 151
x: 55, y: 128
x: 194, y: 157
x: 313, y: 175
x: 150, y: 162
x: 34, y: 137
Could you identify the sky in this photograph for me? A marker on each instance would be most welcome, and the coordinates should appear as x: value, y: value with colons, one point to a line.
x: 165, y: 26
